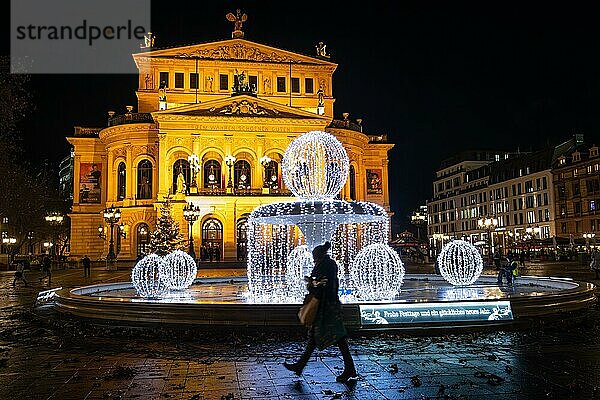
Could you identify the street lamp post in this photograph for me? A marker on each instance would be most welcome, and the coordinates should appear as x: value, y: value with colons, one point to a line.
x: 229, y: 161
x: 191, y: 213
x: 9, y: 242
x: 531, y: 231
x: 55, y: 220
x: 587, y: 237
x: 418, y: 219
x: 488, y: 224
x: 111, y: 216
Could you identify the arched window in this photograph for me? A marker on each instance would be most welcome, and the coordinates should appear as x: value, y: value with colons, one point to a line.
x: 143, y: 239
x: 241, y: 174
x: 183, y: 166
x: 212, y: 240
x: 212, y: 174
x: 121, y: 181
x: 352, y: 174
x: 272, y: 175
x: 144, y: 180
x: 242, y: 238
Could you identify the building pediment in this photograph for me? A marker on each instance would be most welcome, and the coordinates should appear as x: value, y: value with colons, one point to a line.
x: 238, y: 106
x: 234, y: 50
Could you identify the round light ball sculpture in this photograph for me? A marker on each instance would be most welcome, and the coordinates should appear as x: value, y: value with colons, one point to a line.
x: 315, y: 166
x: 377, y: 273
x: 146, y: 278
x: 299, y: 264
x: 460, y: 263
x: 179, y: 270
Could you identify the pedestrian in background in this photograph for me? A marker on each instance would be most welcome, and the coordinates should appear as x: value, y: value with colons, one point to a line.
x: 20, y: 274
x: 87, y: 266
x: 47, y: 269
x: 595, y: 263
x: 522, y: 258
x: 328, y: 327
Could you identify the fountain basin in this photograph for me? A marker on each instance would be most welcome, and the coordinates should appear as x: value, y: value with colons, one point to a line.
x: 223, y: 302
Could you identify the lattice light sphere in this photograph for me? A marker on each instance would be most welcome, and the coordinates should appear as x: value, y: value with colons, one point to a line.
x: 377, y: 273
x: 315, y: 166
x: 460, y: 263
x: 146, y: 278
x: 178, y: 270
x: 299, y: 264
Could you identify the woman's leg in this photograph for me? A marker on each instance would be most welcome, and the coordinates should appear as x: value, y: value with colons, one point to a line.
x: 349, y: 369
x: 298, y: 366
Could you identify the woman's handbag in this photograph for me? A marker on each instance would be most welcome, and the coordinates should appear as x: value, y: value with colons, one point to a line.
x: 308, y: 311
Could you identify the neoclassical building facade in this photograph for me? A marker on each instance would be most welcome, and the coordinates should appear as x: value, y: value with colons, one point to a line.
x: 212, y: 126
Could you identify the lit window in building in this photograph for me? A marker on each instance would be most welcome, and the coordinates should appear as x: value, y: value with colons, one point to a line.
x: 241, y: 174
x: 193, y: 80
x: 144, y: 180
x: 182, y: 166
x: 295, y: 85
x: 253, y: 81
x: 121, y: 181
x: 164, y: 78
x: 281, y: 84
x: 309, y: 85
x: 223, y: 82
x: 179, y: 80
x: 212, y: 174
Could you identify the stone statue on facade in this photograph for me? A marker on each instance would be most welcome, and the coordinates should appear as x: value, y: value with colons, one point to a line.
x: 267, y: 86
x: 180, y: 182
x: 320, y: 95
x: 238, y: 19
x: 322, y: 50
x: 162, y: 91
x: 148, y: 81
x: 148, y: 41
x: 209, y: 83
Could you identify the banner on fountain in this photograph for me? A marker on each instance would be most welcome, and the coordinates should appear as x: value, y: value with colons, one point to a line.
x: 377, y: 314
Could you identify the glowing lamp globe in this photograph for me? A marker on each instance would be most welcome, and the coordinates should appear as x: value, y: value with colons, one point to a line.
x: 146, y: 278
x: 460, y: 263
x: 299, y: 264
x: 178, y: 270
x: 377, y: 272
x: 315, y: 166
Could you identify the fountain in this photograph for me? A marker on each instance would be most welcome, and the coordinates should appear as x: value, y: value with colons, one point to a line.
x: 315, y: 169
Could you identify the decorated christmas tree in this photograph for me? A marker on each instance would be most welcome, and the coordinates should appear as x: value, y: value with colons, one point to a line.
x: 166, y: 238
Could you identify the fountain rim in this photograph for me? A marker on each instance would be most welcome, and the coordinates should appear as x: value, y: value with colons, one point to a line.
x: 289, y: 212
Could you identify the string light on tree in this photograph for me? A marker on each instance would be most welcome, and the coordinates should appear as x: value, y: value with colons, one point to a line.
x: 460, y: 263
x: 146, y: 277
x: 178, y: 270
x: 166, y: 238
x: 377, y: 273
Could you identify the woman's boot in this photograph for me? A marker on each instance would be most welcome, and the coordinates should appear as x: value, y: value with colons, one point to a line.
x: 298, y: 366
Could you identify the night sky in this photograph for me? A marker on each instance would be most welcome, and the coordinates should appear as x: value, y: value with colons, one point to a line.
x: 437, y: 77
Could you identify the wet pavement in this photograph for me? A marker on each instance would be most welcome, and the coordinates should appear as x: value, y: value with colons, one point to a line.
x: 43, y: 358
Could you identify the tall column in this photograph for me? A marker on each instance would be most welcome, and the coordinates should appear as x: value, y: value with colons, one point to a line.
x: 384, y: 183
x: 103, y: 181
x: 110, y: 178
x: 76, y: 171
x: 130, y: 177
x: 163, y: 182
x: 196, y: 149
x: 257, y: 181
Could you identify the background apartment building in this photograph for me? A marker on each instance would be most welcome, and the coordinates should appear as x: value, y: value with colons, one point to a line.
x: 514, y: 192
